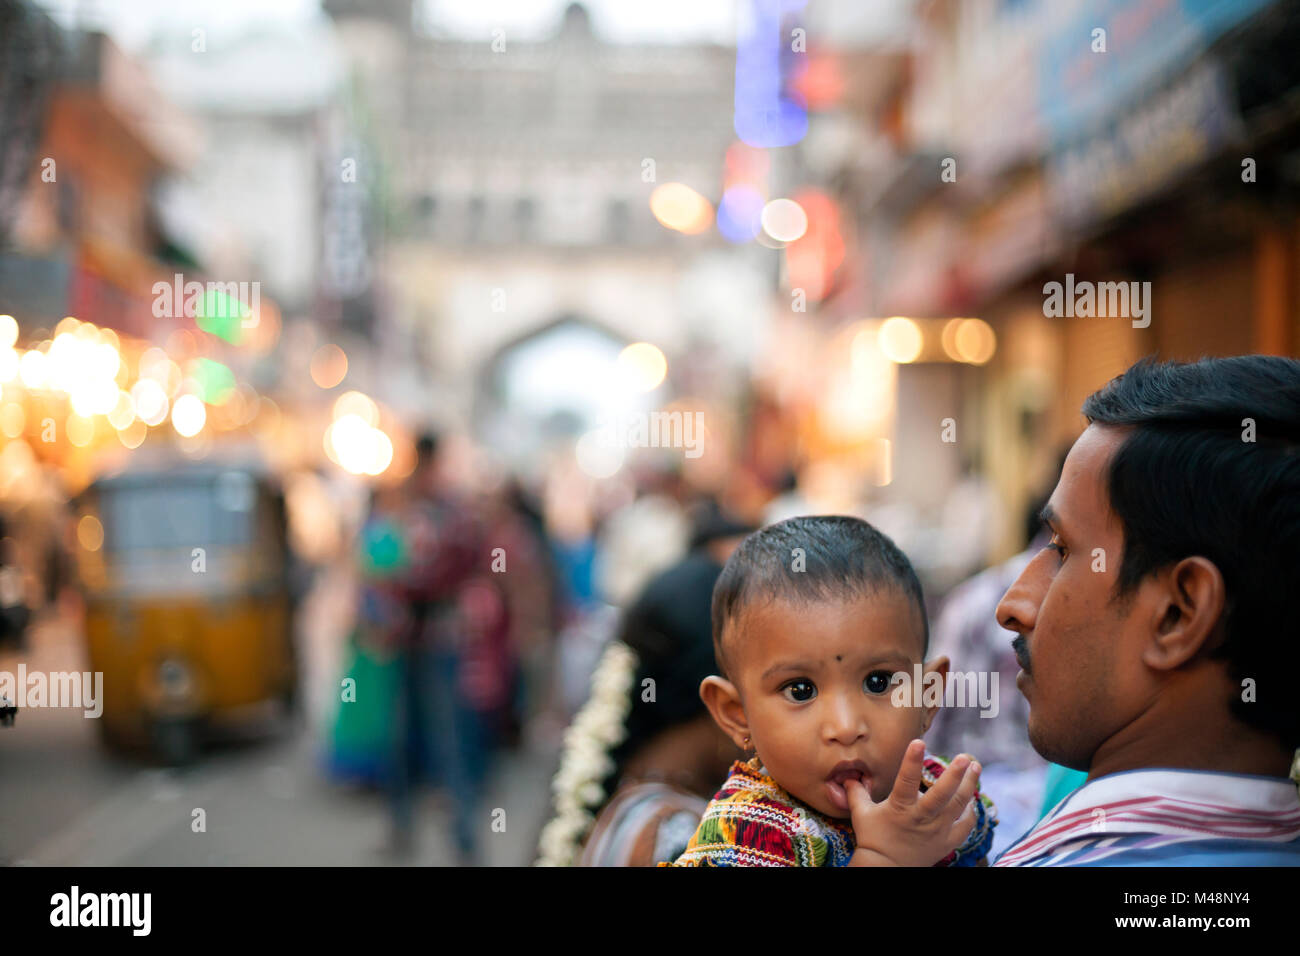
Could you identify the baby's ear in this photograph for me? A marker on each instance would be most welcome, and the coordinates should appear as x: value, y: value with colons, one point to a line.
x: 938, y: 665
x: 723, y: 701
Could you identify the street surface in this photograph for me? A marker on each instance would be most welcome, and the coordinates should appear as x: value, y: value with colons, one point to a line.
x: 66, y: 801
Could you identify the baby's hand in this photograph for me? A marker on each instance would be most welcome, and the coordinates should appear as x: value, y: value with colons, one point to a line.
x: 909, y: 828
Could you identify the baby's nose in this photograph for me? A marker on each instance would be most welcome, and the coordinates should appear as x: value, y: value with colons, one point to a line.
x: 845, y: 723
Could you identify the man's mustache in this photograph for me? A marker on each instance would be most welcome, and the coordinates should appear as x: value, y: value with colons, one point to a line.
x: 1021, y: 648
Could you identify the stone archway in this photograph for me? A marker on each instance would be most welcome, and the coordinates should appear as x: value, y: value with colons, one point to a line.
x: 543, y: 384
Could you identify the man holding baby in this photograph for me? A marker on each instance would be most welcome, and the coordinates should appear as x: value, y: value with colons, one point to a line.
x: 1157, y: 633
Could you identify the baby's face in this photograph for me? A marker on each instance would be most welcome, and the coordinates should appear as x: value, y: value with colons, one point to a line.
x: 815, y: 683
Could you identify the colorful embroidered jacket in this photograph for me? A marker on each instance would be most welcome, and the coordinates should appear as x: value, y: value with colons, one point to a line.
x: 752, y: 821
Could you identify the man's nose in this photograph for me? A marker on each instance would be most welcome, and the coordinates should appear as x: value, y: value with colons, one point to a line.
x: 1018, y: 609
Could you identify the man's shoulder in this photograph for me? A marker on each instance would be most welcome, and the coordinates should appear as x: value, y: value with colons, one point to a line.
x: 1166, y: 816
x: 1146, y: 851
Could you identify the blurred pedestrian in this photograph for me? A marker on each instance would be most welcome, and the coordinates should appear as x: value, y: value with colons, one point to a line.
x: 515, y: 637
x: 361, y: 739
x: 447, y: 611
x: 643, y: 537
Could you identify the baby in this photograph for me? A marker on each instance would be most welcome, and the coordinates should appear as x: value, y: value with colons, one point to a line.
x: 812, y: 618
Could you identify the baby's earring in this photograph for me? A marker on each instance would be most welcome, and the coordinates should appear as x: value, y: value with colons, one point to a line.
x: 746, y: 747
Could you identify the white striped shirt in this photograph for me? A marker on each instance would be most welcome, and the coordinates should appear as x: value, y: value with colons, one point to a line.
x: 1168, y: 817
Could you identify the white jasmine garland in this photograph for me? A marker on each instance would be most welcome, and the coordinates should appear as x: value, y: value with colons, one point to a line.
x: 599, y: 726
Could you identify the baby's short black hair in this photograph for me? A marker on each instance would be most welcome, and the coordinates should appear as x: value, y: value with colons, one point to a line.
x: 812, y: 558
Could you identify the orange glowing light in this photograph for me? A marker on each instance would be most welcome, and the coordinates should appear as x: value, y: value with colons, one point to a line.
x: 329, y: 365
x: 901, y: 340
x: 821, y: 83
x: 680, y: 207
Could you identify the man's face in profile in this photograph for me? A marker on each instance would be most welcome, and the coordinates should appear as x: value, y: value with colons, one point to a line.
x: 1078, y: 645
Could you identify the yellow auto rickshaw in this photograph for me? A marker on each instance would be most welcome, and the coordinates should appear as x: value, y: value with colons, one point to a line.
x: 188, y: 604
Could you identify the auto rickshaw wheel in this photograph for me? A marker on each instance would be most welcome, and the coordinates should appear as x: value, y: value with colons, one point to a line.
x: 114, y: 739
x: 107, y: 738
x: 175, y: 741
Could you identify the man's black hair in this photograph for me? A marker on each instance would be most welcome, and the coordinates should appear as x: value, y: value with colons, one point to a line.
x: 1212, y: 468
x: 841, y: 557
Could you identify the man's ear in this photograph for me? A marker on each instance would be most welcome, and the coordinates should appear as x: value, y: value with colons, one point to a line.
x: 938, y: 666
x: 1188, y: 605
x: 723, y: 700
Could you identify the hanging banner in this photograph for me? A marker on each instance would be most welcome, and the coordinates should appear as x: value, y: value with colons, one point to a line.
x: 1169, y: 134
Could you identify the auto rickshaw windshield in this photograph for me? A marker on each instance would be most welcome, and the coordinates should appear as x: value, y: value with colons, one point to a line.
x: 179, y: 535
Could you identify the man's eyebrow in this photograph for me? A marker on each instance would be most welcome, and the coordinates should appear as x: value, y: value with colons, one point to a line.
x: 1050, y: 518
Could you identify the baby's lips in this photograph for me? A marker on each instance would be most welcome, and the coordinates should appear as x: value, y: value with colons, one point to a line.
x: 850, y: 782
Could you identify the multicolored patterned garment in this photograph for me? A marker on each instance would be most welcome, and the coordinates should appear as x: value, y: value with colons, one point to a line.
x: 752, y: 821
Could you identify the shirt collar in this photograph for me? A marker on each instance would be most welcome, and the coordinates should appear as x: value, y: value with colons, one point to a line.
x: 1197, y: 804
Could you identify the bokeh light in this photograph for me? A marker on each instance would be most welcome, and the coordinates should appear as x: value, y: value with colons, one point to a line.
x: 597, y: 459
x: 90, y: 533
x: 133, y: 435
x: 12, y: 419
x: 974, y: 341
x: 123, y: 412
x: 745, y: 165
x: 150, y: 401
x: 214, y: 382
x: 784, y: 220
x: 680, y: 207
x: 382, y: 454
x: 31, y: 369
x: 642, y: 366
x: 188, y: 416
x: 356, y: 403
x: 765, y: 114
x: 740, y: 213
x: 92, y: 396
x: 80, y: 430
x: 812, y: 259
x: 155, y: 364
x: 223, y: 315
x: 329, y: 366
x: 356, y: 446
x: 900, y: 339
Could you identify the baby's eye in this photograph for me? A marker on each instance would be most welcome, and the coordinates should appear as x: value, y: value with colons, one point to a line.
x: 877, y: 682
x: 800, y: 691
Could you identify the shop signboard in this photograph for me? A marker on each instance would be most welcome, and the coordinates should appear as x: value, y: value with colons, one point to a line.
x: 1171, y: 133
x: 1098, y: 57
